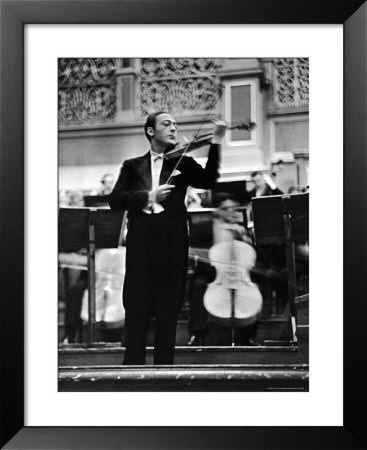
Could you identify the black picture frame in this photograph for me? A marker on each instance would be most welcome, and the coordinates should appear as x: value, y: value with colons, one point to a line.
x: 17, y: 13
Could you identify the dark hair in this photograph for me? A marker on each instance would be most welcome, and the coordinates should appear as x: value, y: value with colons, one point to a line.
x: 151, y: 121
x: 278, y: 163
x: 221, y: 197
x: 253, y: 175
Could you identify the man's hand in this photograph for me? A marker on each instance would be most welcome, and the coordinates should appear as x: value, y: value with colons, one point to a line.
x: 161, y: 193
x: 219, y: 131
x: 239, y: 231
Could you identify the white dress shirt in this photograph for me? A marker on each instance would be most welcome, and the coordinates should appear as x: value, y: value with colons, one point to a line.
x: 156, y: 160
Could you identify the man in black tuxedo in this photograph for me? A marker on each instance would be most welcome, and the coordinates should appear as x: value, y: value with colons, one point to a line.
x: 262, y: 188
x: 157, y: 237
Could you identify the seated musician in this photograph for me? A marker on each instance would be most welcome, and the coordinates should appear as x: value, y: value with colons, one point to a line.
x: 260, y: 188
x: 76, y: 282
x: 72, y: 281
x: 227, y: 223
x: 107, y: 184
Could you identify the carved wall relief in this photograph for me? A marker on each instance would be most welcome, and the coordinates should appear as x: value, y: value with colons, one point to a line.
x: 291, y: 82
x: 87, y: 90
x: 178, y: 85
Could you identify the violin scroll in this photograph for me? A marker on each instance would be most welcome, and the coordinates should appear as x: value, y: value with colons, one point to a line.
x: 247, y: 126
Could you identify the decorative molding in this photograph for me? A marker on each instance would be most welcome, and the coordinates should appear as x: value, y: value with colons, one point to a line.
x: 290, y: 83
x: 86, y: 71
x: 178, y: 85
x: 87, y: 90
x: 87, y: 105
x: 157, y: 69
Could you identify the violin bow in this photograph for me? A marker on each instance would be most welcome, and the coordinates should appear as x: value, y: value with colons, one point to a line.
x: 188, y: 146
x: 205, y: 115
x: 248, y: 126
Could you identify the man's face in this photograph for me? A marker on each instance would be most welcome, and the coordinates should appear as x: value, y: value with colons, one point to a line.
x: 259, y: 181
x: 227, y: 211
x: 276, y: 168
x: 108, y: 181
x: 165, y: 133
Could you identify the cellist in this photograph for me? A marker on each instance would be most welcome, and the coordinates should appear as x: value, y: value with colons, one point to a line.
x: 157, y: 237
x: 227, y: 224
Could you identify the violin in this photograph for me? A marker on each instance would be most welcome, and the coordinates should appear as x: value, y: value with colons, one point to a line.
x: 202, y: 140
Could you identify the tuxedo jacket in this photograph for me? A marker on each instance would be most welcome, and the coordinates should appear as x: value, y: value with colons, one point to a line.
x: 157, y: 244
x: 135, y: 181
x: 267, y: 191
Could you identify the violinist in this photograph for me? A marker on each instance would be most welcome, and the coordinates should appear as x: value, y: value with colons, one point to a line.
x: 227, y: 224
x: 152, y: 188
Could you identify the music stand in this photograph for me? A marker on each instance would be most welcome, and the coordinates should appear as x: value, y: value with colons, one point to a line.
x: 90, y: 228
x: 283, y: 219
x: 96, y: 201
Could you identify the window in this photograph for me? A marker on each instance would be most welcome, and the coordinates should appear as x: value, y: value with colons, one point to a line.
x: 240, y: 108
x: 288, y: 135
x: 291, y: 135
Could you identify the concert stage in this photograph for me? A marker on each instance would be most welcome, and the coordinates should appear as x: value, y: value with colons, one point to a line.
x: 261, y: 368
x: 184, y: 378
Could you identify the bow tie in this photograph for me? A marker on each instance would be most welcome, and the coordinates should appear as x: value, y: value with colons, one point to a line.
x: 157, y: 156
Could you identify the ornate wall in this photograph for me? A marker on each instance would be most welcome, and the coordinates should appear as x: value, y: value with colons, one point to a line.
x: 291, y: 83
x: 87, y: 90
x: 182, y: 86
x: 103, y: 103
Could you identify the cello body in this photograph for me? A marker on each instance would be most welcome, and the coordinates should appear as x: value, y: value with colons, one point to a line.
x: 110, y: 274
x: 232, y: 299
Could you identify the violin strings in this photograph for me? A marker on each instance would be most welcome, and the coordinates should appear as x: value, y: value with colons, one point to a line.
x: 187, y: 148
x: 248, y: 127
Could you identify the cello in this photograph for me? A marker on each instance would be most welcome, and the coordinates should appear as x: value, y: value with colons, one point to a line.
x: 232, y: 300
x: 110, y: 274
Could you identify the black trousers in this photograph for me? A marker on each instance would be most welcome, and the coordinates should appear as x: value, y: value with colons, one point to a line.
x: 198, y: 319
x: 156, y: 270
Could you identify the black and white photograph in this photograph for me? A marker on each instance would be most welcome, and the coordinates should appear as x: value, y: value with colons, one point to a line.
x: 156, y: 224
x: 183, y: 224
